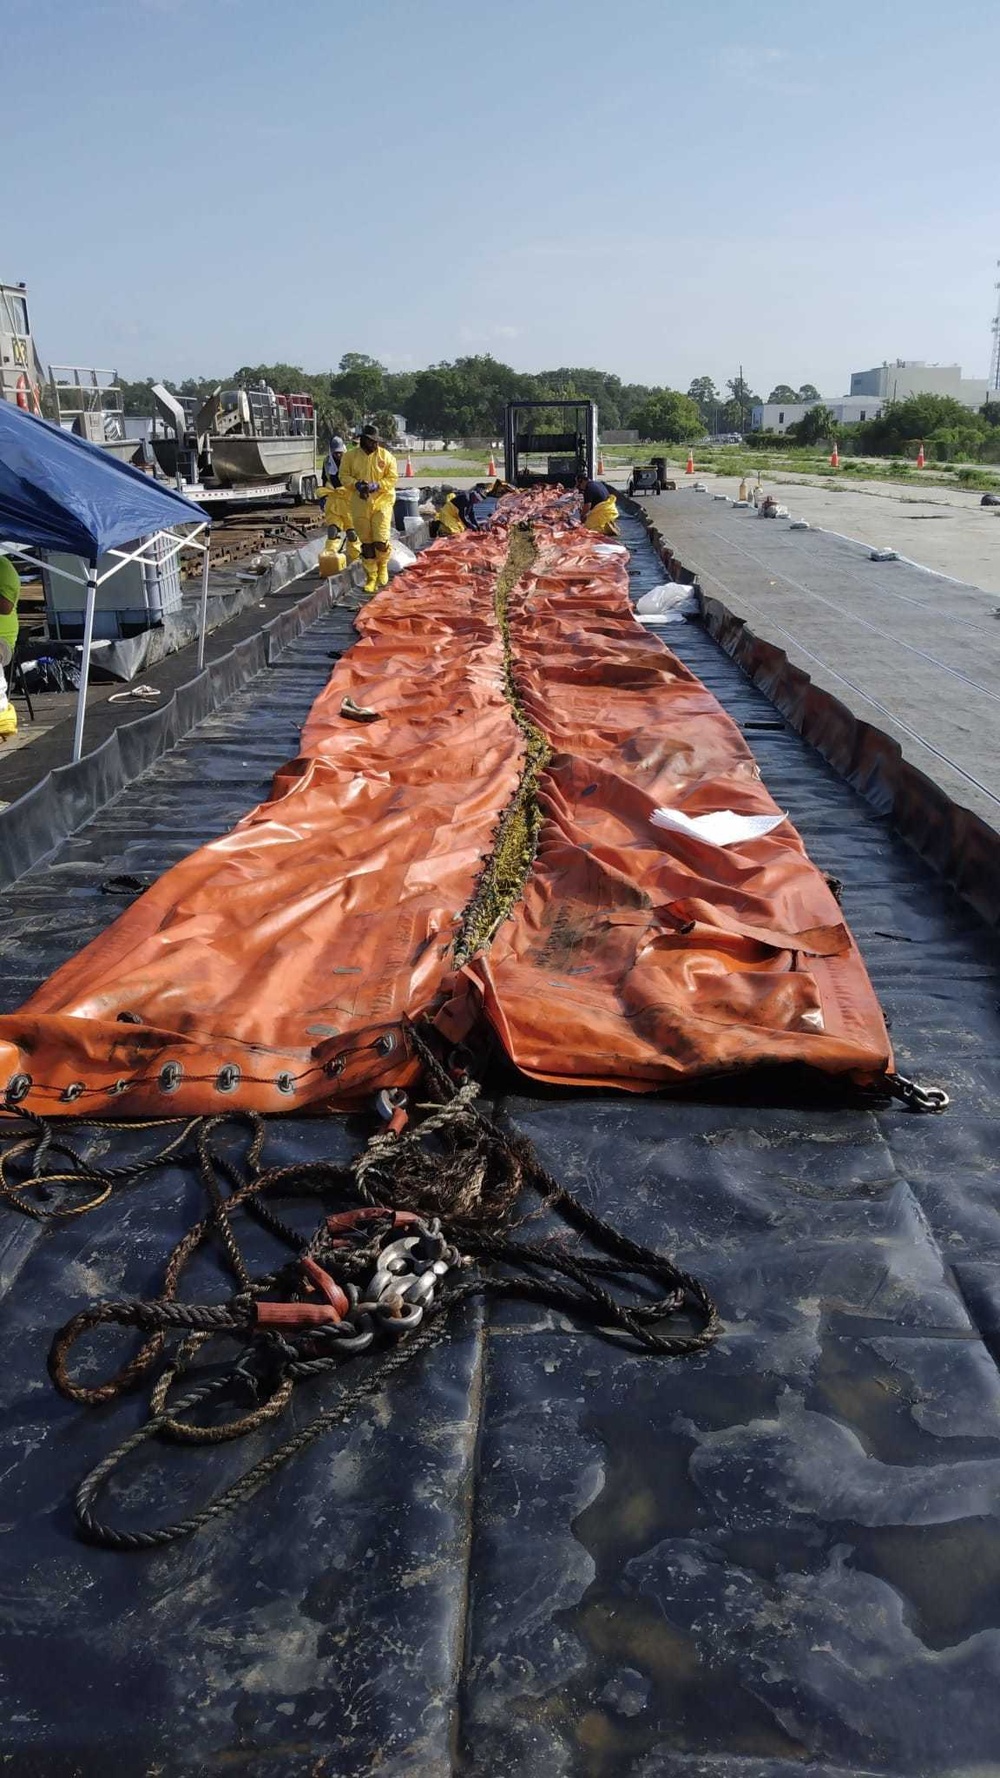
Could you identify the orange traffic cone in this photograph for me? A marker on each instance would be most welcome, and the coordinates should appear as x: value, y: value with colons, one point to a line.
x: 835, y: 456
x: 690, y: 464
x: 408, y: 471
x: 921, y: 459
x: 600, y: 463
x: 491, y: 467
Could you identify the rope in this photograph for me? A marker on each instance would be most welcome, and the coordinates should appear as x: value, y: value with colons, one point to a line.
x: 458, y: 1164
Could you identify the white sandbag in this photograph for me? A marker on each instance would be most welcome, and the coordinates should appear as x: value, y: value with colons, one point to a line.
x: 672, y: 595
x: 400, y: 556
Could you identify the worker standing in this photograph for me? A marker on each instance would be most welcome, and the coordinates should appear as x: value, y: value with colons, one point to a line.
x: 337, y: 508
x: 600, y: 508
x: 10, y: 593
x: 369, y: 472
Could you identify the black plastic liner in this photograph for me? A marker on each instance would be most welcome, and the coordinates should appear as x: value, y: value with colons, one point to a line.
x: 33, y: 826
x: 959, y: 844
x: 537, y: 1554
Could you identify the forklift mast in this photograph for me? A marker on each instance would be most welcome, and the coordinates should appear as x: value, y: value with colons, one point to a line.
x: 569, y: 453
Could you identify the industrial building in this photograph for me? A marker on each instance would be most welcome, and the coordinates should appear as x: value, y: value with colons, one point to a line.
x: 847, y: 410
x: 871, y: 389
x: 911, y: 376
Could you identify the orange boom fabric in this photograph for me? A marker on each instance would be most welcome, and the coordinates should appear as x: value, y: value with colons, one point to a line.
x: 637, y: 955
x: 276, y: 968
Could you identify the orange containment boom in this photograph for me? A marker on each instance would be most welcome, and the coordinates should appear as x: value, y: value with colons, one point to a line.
x: 484, y: 849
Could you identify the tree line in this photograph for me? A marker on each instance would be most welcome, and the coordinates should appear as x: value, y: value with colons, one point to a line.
x: 948, y: 431
x: 464, y: 398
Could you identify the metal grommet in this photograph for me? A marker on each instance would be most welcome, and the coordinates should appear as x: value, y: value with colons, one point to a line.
x: 73, y: 1091
x: 285, y: 1083
x: 170, y: 1077
x: 129, y: 1018
x: 120, y: 1086
x: 386, y: 1043
x: 336, y: 1066
x: 388, y: 1100
x: 18, y: 1088
x: 228, y: 1078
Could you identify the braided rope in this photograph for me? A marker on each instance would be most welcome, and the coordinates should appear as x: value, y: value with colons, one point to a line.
x: 457, y: 1163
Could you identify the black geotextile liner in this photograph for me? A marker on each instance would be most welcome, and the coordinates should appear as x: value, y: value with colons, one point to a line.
x: 538, y: 1554
x: 33, y: 826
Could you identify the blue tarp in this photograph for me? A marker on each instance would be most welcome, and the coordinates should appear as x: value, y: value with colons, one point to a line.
x: 59, y: 492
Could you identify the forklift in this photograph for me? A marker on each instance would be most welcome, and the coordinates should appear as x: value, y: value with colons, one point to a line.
x: 567, y: 454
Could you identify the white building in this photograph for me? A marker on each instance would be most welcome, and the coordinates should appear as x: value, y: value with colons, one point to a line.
x: 911, y: 376
x: 871, y: 389
x: 777, y: 416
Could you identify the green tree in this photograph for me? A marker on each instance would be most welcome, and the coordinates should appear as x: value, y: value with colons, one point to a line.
x: 902, y: 424
x: 466, y: 399
x: 702, y: 390
x: 589, y: 385
x: 668, y: 415
x: 814, y: 427
x: 435, y: 403
x: 784, y: 392
x: 398, y: 387
x: 137, y: 398
x: 737, y: 410
x: 358, y: 387
x: 808, y: 392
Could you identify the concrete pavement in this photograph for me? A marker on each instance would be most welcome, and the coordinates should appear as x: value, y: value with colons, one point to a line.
x: 915, y: 654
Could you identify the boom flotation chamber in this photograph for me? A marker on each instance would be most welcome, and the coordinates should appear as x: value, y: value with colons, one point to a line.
x: 480, y: 848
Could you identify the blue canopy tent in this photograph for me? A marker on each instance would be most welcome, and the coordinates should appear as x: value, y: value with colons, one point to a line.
x: 58, y: 492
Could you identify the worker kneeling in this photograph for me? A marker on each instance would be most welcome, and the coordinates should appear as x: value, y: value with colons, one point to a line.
x: 368, y: 472
x: 447, y: 521
x: 600, y: 508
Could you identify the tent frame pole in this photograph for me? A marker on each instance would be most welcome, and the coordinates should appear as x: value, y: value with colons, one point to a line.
x: 203, y: 618
x: 88, y: 637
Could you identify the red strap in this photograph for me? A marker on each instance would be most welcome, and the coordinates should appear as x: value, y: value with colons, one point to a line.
x: 327, y: 1286
x: 349, y: 1219
x: 295, y: 1314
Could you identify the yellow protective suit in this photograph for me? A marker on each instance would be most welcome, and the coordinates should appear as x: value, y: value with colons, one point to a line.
x: 449, y: 518
x: 337, y: 515
x: 371, y: 518
x: 603, y: 517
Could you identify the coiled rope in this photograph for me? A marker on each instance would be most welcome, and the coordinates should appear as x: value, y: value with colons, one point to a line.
x: 458, y: 1166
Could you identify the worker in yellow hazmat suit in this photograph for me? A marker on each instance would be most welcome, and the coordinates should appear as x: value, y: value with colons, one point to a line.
x: 600, y: 508
x: 10, y: 592
x: 337, y: 505
x: 369, y: 472
x: 447, y: 521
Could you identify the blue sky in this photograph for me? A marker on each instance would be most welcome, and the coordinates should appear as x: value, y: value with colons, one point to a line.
x: 658, y: 189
